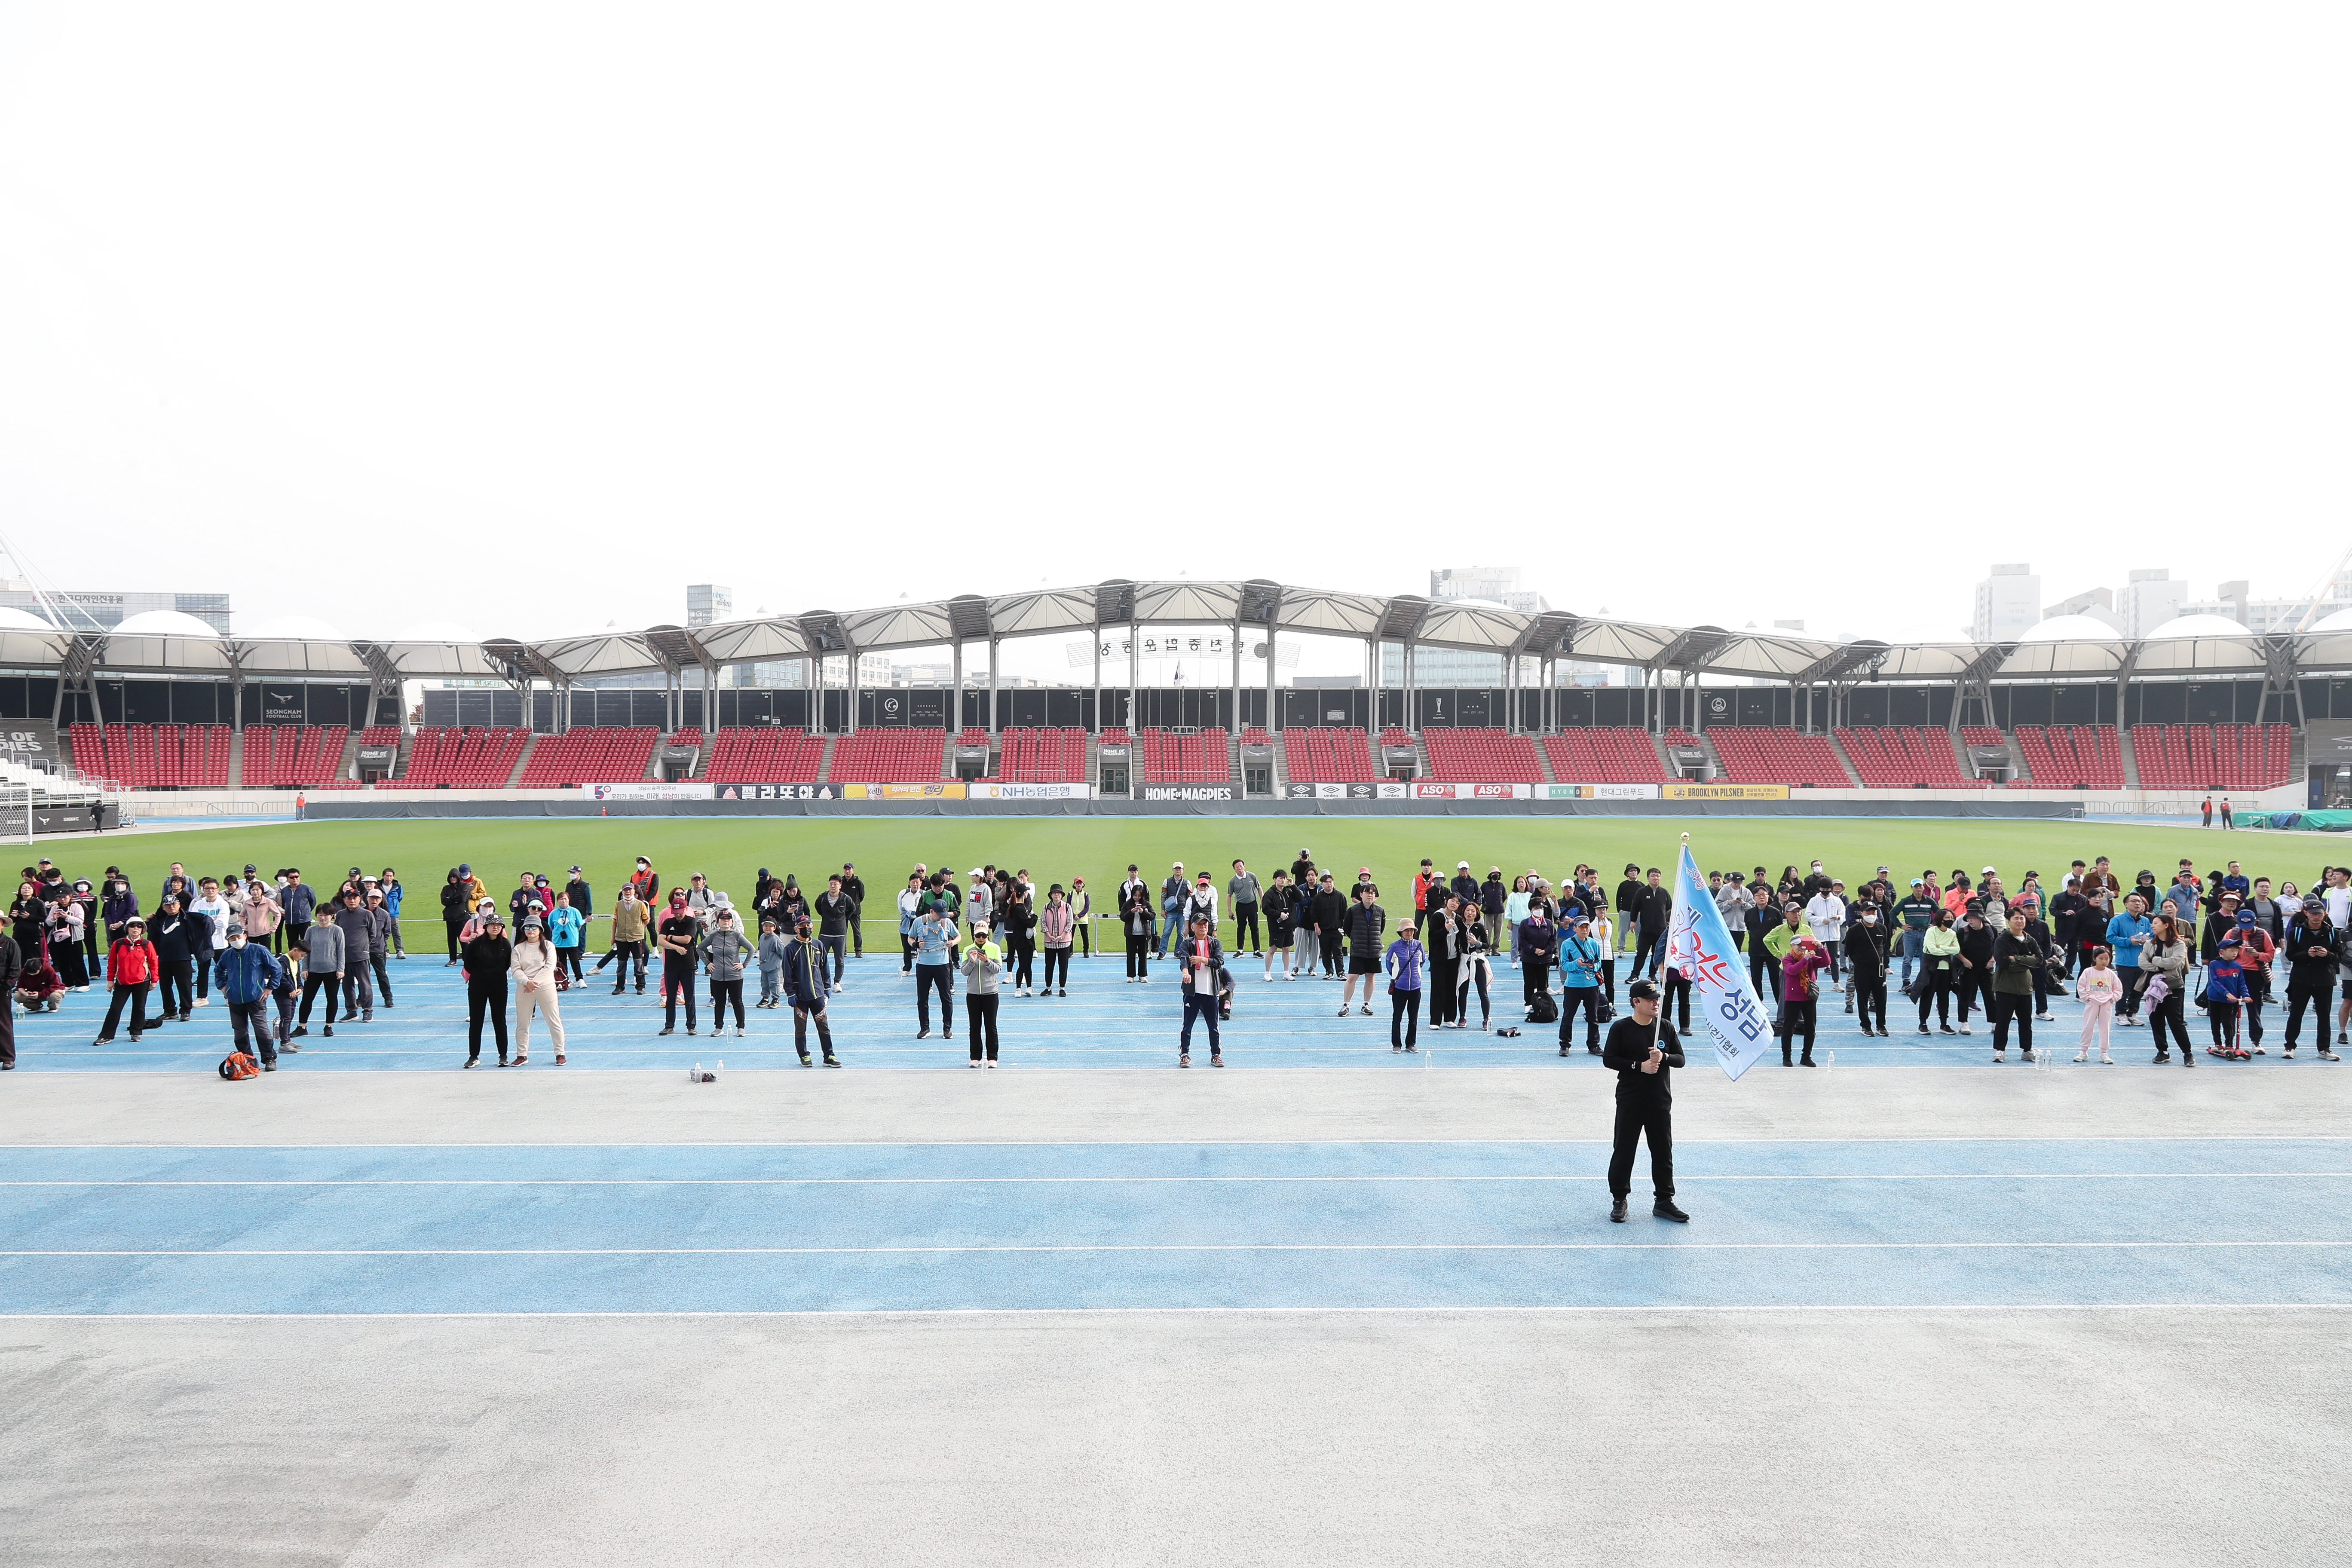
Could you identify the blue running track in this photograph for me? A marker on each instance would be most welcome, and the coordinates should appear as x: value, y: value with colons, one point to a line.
x: 807, y: 1227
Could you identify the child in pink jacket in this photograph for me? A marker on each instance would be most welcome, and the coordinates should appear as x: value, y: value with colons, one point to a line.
x: 2098, y: 988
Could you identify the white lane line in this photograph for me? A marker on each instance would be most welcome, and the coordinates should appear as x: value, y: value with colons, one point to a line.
x: 1166, y: 1247
x: 1144, y: 1181
x: 821, y: 1313
x: 1244, y: 1143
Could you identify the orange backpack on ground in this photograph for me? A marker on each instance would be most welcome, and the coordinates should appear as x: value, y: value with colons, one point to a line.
x: 237, y: 1066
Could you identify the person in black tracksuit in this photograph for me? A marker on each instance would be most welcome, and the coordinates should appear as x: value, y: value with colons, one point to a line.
x: 182, y: 942
x: 1655, y: 915
x: 1331, y: 906
x: 2312, y: 946
x: 1763, y: 969
x: 1629, y: 905
x: 488, y: 958
x: 1865, y: 962
x: 680, y: 938
x: 1643, y: 1050
x: 1975, y: 967
x: 455, y: 910
x: 1538, y: 940
x: 836, y: 911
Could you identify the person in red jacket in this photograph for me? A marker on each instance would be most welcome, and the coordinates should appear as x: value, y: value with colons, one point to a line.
x: 133, y: 969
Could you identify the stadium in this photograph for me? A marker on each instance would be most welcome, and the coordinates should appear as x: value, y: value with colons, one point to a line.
x: 1372, y: 1179
x: 744, y: 839
x: 165, y: 716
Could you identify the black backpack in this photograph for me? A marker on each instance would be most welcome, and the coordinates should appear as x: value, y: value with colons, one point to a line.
x: 1542, y: 1009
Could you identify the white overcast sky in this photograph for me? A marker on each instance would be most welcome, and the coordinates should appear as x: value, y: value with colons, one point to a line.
x: 526, y: 318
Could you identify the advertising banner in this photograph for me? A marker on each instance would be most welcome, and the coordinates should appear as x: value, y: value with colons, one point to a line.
x: 1429, y: 789
x: 1366, y: 790
x: 1597, y: 791
x: 1726, y: 791
x: 780, y: 792
x: 940, y: 791
x: 648, y: 791
x: 982, y: 791
x: 1189, y: 792
x: 1391, y: 789
x: 1699, y: 945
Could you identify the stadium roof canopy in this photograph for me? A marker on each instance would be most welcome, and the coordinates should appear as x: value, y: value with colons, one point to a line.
x: 2074, y: 648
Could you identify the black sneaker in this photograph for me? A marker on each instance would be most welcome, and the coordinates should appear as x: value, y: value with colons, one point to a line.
x: 1617, y: 1210
x: 922, y: 1034
x: 327, y: 1032
x: 662, y: 1032
x: 301, y: 1030
x: 832, y: 1061
x: 1665, y: 1209
x: 807, y: 1060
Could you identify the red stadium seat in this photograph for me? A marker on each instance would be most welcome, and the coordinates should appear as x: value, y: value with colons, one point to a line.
x: 1761, y: 754
x: 1607, y: 756
x: 1328, y: 756
x: 762, y: 754
x: 1481, y: 756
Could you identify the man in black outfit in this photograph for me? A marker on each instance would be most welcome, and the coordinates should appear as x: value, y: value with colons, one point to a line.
x: 1643, y: 1050
x: 1655, y: 913
x: 853, y: 887
x: 836, y: 911
x: 1629, y: 906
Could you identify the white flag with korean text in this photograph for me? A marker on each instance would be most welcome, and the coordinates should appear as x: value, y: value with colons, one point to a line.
x: 1699, y: 946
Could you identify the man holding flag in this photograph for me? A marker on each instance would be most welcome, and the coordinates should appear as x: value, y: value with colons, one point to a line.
x: 1644, y: 1047
x: 1643, y: 1050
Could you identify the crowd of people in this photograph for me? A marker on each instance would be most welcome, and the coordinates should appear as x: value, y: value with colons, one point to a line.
x: 1957, y: 946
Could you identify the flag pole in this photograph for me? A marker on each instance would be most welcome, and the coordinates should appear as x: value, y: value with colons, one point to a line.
x: 1658, y: 1023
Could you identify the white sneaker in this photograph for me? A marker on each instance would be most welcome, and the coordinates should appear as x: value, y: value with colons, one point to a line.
x: 739, y: 1031
x: 840, y: 985
x: 1269, y: 977
x: 2084, y: 1055
x: 203, y: 1000
x: 1291, y: 975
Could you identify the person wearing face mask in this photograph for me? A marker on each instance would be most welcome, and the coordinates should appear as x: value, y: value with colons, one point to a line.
x: 1866, y: 951
x: 249, y: 977
x: 681, y: 936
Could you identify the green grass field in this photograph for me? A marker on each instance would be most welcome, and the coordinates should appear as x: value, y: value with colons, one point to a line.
x: 1055, y: 849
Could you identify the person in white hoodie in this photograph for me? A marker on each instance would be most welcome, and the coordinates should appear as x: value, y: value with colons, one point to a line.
x: 209, y: 903
x: 534, y: 982
x: 1825, y: 913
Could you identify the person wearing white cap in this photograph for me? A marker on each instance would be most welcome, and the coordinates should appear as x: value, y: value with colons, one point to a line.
x: 534, y: 964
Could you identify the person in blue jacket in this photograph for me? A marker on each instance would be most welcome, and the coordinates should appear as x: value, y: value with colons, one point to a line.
x: 569, y: 928
x: 1406, y: 961
x: 2124, y: 933
x: 1581, y: 958
x: 2225, y: 997
x: 120, y: 907
x: 392, y: 892
x: 247, y: 976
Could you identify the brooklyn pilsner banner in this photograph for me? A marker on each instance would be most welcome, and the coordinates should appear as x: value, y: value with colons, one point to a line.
x: 1698, y: 945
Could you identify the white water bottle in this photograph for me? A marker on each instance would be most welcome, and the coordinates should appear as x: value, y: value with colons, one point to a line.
x: 717, y: 1068
x: 694, y: 1074
x: 1831, y: 1062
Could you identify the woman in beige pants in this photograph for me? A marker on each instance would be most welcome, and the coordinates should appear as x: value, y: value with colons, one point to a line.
x: 534, y: 973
